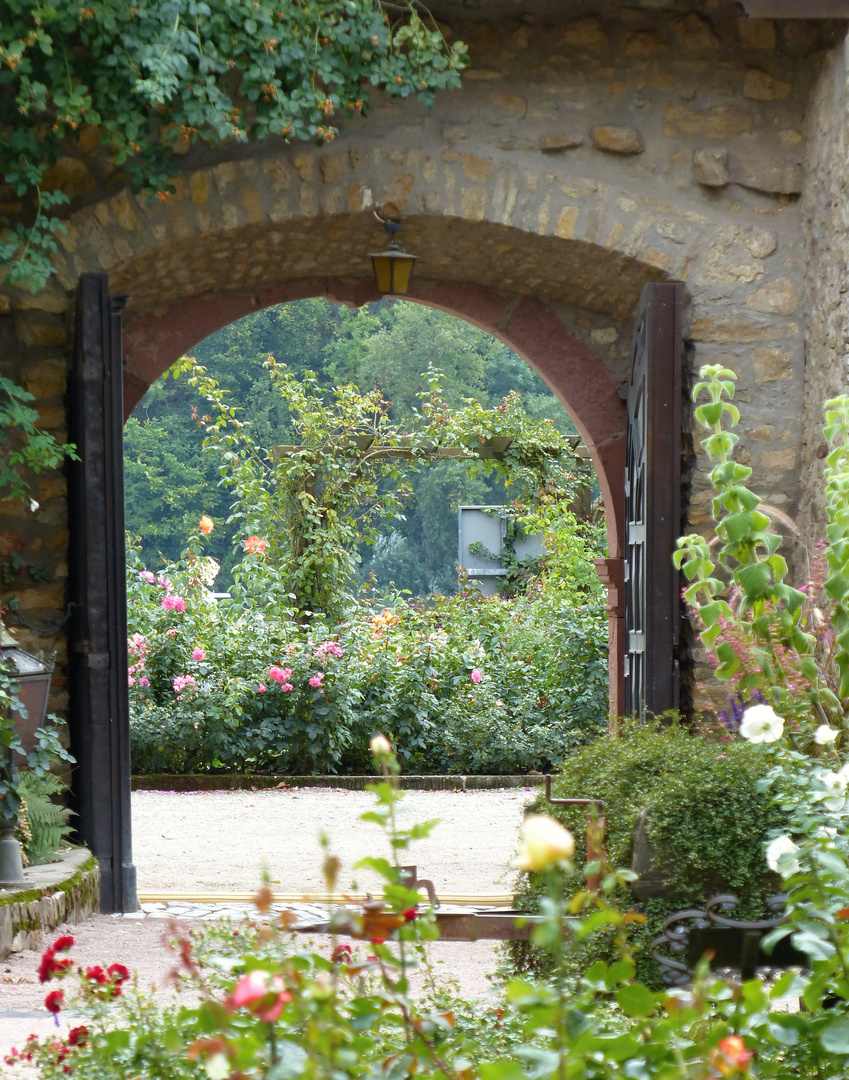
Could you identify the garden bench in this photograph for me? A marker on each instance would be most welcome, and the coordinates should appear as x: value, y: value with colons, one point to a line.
x: 693, y: 933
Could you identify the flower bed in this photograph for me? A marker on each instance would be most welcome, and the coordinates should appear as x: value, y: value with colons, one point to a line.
x: 465, y: 684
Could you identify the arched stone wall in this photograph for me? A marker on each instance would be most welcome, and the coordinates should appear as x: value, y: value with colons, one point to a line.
x: 582, y: 158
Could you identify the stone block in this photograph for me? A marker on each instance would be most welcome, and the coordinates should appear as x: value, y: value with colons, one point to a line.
x: 199, y: 187
x: 697, y: 35
x: 566, y: 223
x: 662, y: 260
x: 5, y: 304
x: 643, y: 45
x: 779, y: 296
x: 710, y: 167
x: 585, y: 33
x: 771, y: 175
x: 612, y: 139
x: 759, y: 242
x: 726, y: 261
x: 759, y: 85
x: 476, y: 168
x: 554, y: 144
x: 771, y: 365
x: 780, y: 459
x: 46, y: 379
x: 35, y: 333
x: 756, y: 33
x: 509, y: 105
x: 737, y: 329
x: 71, y: 176
x: 52, y: 487
x: 47, y: 299
x: 717, y: 122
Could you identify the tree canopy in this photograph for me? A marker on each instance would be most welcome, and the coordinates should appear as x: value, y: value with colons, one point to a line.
x: 171, y: 482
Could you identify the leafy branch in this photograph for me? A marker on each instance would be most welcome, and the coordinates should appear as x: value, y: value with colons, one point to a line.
x: 150, y: 80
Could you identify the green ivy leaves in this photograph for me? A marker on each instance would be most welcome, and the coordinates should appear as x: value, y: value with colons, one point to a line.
x: 162, y: 74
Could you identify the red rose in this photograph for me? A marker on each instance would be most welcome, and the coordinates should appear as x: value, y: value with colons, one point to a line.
x: 53, y: 1001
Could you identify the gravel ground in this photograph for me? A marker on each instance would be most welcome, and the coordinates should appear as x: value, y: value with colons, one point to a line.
x: 220, y: 842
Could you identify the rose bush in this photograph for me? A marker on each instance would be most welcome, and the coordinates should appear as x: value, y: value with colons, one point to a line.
x: 461, y: 684
x: 271, y: 1006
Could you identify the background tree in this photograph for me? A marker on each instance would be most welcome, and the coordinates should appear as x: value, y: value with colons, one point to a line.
x: 170, y: 483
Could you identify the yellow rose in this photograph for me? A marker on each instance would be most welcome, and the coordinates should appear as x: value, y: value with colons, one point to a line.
x: 545, y: 843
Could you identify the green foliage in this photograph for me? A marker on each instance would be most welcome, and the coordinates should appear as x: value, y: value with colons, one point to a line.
x: 45, y: 822
x: 311, y: 503
x: 25, y: 447
x: 170, y: 482
x: 707, y: 823
x: 787, y: 645
x: 164, y: 74
x: 269, y: 1005
x: 408, y: 670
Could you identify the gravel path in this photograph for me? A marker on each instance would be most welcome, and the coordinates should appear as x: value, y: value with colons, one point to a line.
x: 220, y: 841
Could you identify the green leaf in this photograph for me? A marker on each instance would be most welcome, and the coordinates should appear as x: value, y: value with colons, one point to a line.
x: 835, y: 1037
x: 635, y: 1000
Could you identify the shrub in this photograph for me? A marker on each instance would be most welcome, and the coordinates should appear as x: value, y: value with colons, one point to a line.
x: 460, y: 684
x: 707, y: 822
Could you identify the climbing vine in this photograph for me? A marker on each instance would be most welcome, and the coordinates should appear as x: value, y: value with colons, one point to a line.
x: 149, y: 80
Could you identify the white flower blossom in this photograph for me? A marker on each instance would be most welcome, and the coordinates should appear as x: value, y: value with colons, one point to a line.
x: 825, y: 734
x: 761, y: 724
x: 835, y: 785
x: 380, y: 746
x: 781, y: 856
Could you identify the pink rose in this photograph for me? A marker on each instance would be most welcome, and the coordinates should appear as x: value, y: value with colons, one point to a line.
x: 144, y: 681
x: 317, y: 679
x: 261, y: 688
x: 198, y: 654
x: 286, y: 686
x: 130, y: 680
x: 171, y: 633
x: 181, y: 604
x: 148, y: 576
x: 475, y: 675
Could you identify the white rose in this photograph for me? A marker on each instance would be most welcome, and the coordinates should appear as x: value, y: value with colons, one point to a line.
x: 544, y: 843
x: 761, y: 724
x: 380, y: 746
x: 834, y: 795
x: 781, y: 856
x: 825, y: 734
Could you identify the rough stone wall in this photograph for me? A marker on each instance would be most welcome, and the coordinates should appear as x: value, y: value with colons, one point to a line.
x: 825, y: 216
x: 581, y: 159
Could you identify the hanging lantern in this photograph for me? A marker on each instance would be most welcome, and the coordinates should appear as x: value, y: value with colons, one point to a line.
x: 393, y: 267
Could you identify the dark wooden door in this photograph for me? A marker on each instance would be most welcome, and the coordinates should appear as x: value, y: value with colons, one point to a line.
x: 97, y: 645
x: 653, y: 502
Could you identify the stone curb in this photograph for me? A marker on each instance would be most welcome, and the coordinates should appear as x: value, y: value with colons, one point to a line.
x: 67, y: 891
x: 240, y: 782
